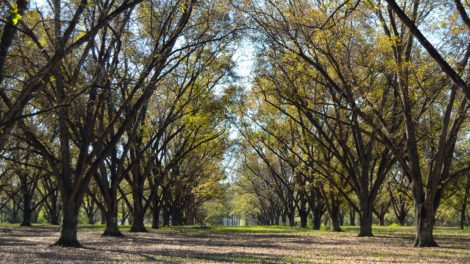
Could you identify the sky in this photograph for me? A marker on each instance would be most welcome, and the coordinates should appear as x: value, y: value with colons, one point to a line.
x: 244, y: 59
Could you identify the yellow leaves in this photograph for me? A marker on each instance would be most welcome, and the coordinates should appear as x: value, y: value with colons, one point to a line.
x: 374, y: 94
x: 315, y: 14
x: 209, y: 186
x: 456, y: 30
x: 320, y: 36
x: 245, y: 204
x: 43, y: 41
x: 371, y: 4
x: 15, y: 16
x: 193, y: 121
x: 385, y: 42
x: 79, y: 35
x: 182, y: 8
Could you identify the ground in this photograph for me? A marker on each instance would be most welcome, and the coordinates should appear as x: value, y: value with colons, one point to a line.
x: 234, y: 245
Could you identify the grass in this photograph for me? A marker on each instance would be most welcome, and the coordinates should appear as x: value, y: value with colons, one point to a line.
x: 250, y: 244
x: 282, y: 229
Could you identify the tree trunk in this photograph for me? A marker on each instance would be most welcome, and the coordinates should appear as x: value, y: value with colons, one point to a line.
x: 123, y: 219
x: 317, y: 214
x: 70, y: 203
x: 26, y: 209
x: 102, y: 217
x: 112, y: 227
x: 316, y: 207
x: 34, y: 217
x: 316, y: 221
x: 68, y: 232
x: 177, y: 217
x: 335, y: 223
x: 365, y: 219
x: 156, y: 216
x: 334, y: 211
x: 111, y: 215
x: 276, y: 219
x: 131, y: 219
x: 91, y: 218
x: 333, y: 205
x: 382, y: 220
x: 463, y: 209
x: 54, y: 216
x: 90, y: 212
x: 138, y: 215
x: 124, y: 212
x: 166, y: 217
x: 167, y: 205
x: 401, y: 219
x: 303, y: 214
x: 284, y: 219
x: 292, y: 217
x: 400, y: 212
x: 14, y: 213
x: 352, y: 217
x: 303, y: 219
x: 424, y: 225
x: 462, y: 215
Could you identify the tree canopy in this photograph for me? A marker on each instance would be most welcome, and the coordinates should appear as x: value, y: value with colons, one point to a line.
x: 137, y: 111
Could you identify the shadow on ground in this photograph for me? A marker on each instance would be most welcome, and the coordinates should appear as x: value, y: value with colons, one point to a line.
x: 31, y: 244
